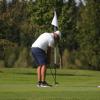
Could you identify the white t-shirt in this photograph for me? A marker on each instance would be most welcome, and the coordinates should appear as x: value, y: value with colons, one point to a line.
x: 44, y: 40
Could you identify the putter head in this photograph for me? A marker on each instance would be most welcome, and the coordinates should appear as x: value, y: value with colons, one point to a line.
x: 56, y: 83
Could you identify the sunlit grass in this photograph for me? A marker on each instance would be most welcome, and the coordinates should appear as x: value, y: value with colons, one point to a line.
x: 20, y: 84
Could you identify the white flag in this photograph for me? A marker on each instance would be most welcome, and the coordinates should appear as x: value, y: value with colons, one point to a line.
x: 83, y: 2
x: 65, y: 1
x: 78, y: 2
x: 9, y: 1
x: 55, y: 21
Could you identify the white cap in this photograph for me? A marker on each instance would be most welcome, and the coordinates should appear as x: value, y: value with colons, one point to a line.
x: 58, y: 33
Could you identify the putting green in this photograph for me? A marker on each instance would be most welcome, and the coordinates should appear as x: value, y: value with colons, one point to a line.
x: 20, y: 84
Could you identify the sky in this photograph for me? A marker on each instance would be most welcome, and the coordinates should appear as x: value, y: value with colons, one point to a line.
x: 8, y: 1
x: 77, y: 2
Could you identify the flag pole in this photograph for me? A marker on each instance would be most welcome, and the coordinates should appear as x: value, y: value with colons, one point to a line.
x: 55, y: 49
x: 55, y: 24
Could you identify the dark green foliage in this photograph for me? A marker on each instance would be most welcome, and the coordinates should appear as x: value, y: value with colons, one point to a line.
x: 22, y: 22
x: 88, y: 37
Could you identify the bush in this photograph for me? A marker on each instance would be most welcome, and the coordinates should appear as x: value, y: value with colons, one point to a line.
x: 10, y: 56
x: 24, y: 59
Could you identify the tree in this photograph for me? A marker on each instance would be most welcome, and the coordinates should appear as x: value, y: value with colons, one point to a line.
x: 87, y: 37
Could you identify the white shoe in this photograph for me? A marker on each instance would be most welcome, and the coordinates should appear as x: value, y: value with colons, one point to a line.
x: 39, y: 84
x: 98, y: 86
x: 45, y: 84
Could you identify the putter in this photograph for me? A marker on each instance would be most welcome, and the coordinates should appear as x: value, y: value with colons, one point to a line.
x: 55, y: 73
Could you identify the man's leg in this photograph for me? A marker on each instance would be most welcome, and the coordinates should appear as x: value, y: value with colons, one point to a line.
x: 43, y: 76
x: 43, y: 73
x: 39, y: 73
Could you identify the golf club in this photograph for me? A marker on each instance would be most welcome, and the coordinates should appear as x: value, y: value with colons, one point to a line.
x: 53, y: 74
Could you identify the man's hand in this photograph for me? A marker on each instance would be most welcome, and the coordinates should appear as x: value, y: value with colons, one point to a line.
x: 49, y: 55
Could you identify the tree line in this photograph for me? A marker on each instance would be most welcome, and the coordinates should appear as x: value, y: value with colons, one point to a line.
x: 22, y: 22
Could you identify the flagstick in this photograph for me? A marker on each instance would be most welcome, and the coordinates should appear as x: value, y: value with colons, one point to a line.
x: 55, y: 60
x: 55, y: 52
x: 55, y: 49
x: 55, y: 24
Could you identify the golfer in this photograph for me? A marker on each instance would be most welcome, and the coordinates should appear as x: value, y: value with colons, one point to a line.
x: 41, y: 51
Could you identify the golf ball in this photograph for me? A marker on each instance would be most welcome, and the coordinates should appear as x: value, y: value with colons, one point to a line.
x: 98, y: 86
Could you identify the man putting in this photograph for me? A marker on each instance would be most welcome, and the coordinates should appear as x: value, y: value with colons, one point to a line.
x: 41, y: 51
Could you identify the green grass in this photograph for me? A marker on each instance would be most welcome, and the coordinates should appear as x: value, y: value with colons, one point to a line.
x: 20, y: 84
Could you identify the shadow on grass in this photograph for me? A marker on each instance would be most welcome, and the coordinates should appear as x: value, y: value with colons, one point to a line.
x: 26, y: 73
x: 1, y: 71
x: 58, y: 74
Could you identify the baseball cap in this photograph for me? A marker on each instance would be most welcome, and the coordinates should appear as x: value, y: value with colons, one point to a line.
x: 58, y: 33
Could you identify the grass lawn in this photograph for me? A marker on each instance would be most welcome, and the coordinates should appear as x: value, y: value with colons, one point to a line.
x: 20, y: 84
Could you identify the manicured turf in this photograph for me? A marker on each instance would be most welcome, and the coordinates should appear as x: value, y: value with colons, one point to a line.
x: 20, y: 84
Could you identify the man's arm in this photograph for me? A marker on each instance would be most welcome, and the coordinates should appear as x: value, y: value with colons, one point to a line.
x: 49, y: 54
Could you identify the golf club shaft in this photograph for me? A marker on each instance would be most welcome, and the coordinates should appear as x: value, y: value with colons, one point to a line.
x: 54, y: 77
